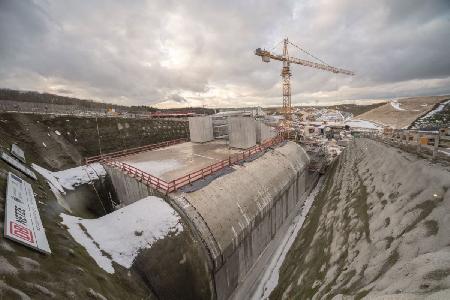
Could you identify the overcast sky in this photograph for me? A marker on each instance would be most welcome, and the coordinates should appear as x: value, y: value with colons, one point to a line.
x: 202, y: 52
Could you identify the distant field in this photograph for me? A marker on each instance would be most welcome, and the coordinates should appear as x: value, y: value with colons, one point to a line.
x: 403, y: 113
x: 354, y: 109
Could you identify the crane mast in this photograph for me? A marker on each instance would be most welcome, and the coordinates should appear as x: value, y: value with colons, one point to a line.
x: 286, y: 76
x: 286, y: 71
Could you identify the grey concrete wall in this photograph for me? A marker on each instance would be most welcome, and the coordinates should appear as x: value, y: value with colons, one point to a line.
x: 230, y: 221
x: 263, y: 132
x: 176, y: 267
x: 201, y: 129
x: 242, y: 132
x: 240, y: 212
x: 127, y: 189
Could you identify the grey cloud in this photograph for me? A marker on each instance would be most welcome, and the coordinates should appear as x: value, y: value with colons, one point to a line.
x: 178, y: 98
x: 144, y: 52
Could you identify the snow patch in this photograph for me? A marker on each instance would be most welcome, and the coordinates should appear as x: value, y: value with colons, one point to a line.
x: 362, y: 124
x: 396, y: 105
x: 271, y: 275
x: 71, y: 178
x: 123, y: 233
x: 438, y: 109
x: 446, y: 151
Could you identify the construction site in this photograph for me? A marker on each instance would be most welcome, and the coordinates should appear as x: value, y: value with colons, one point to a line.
x: 293, y: 202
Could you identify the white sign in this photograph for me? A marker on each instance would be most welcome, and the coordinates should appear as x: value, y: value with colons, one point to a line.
x: 18, y: 153
x: 22, y: 221
x: 18, y: 165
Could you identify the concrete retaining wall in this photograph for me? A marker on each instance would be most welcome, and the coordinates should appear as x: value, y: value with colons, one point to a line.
x: 229, y: 220
x: 201, y: 129
x: 242, y: 132
x: 240, y: 212
x: 176, y: 267
x: 263, y: 132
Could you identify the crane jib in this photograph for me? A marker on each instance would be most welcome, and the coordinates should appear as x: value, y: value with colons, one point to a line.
x: 286, y: 73
x: 266, y: 56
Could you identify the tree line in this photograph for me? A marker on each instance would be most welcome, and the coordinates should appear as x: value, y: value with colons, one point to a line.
x: 36, y: 97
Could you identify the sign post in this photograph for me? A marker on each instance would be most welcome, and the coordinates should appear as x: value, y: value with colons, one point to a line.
x: 22, y: 220
x: 18, y: 153
x: 18, y: 165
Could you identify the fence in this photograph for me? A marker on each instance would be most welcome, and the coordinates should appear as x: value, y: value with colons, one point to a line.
x: 433, y: 143
x: 168, y: 187
x: 126, y: 152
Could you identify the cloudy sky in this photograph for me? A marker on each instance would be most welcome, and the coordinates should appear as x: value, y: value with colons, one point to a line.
x: 197, y: 52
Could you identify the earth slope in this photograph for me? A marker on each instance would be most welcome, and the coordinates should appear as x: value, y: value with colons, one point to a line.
x: 401, y: 113
x: 379, y: 226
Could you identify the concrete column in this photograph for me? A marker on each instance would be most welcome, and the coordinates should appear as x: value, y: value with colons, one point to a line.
x: 263, y: 132
x: 242, y: 132
x: 201, y: 129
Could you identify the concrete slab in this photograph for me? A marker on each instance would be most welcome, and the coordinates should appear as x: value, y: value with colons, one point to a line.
x: 181, y: 159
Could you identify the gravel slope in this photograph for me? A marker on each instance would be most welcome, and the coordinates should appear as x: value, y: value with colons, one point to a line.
x: 379, y: 226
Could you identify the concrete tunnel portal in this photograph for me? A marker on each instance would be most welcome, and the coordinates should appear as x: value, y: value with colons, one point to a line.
x: 228, y: 217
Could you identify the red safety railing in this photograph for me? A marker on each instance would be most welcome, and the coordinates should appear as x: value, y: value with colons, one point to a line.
x: 126, y: 152
x: 140, y: 175
x: 168, y: 187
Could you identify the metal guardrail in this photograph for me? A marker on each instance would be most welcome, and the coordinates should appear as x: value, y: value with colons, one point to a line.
x: 126, y: 152
x: 171, y: 186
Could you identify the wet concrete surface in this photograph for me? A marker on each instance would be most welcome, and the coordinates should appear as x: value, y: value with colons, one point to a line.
x: 181, y: 159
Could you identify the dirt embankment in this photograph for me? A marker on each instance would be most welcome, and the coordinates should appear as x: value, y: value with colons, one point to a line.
x: 59, y: 143
x: 69, y: 272
x: 62, y: 142
x: 378, y: 227
x: 402, y: 113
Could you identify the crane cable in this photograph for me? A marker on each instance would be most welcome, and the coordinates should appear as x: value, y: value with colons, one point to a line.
x: 308, y: 53
x: 276, y: 45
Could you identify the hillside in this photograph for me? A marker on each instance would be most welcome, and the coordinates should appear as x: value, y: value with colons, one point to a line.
x: 354, y: 109
x: 63, y: 141
x: 438, y: 117
x: 69, y: 272
x: 402, y: 113
x: 377, y: 227
x: 16, y: 97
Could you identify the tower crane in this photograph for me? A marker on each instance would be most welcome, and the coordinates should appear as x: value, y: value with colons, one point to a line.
x: 286, y: 71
